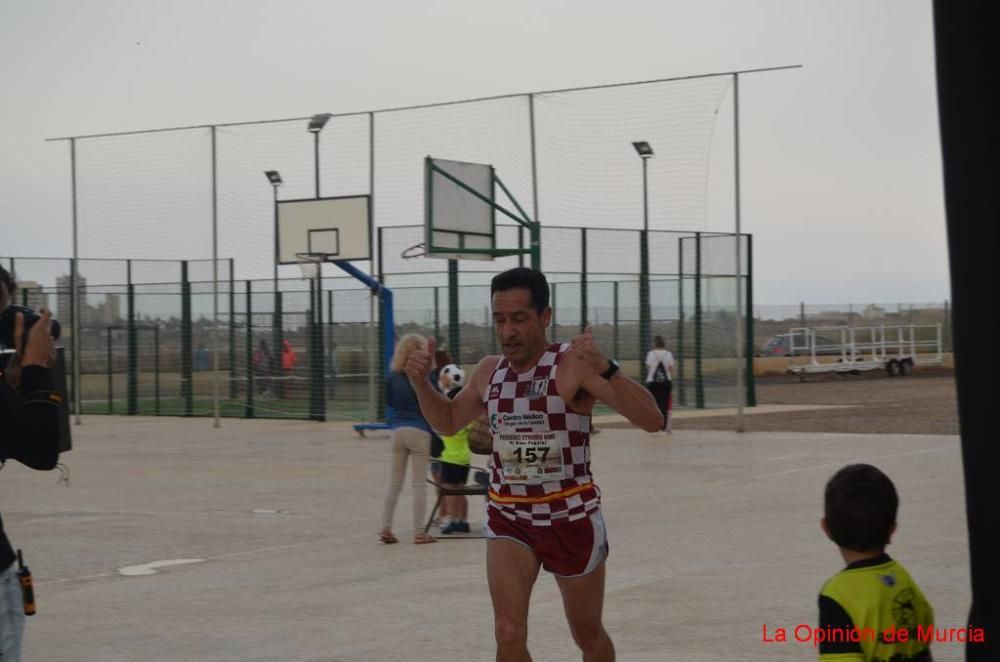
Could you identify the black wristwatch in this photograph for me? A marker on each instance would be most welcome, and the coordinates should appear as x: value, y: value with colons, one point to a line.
x: 613, y: 367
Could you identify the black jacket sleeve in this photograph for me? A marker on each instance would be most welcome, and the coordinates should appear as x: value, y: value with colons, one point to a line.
x: 833, y: 617
x: 29, y: 422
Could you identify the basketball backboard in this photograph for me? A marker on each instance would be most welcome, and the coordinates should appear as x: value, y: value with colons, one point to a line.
x: 338, y: 227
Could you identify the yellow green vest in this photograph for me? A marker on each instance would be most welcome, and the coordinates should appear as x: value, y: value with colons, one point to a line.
x: 456, y: 447
x: 881, y: 598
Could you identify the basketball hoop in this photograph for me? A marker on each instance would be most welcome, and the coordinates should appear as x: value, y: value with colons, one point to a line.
x: 416, y: 250
x: 310, y: 263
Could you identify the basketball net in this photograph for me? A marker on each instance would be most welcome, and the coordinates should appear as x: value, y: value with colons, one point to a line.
x: 310, y: 263
x: 417, y: 250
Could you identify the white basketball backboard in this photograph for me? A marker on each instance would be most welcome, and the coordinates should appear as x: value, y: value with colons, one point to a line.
x: 338, y: 227
x: 455, y: 217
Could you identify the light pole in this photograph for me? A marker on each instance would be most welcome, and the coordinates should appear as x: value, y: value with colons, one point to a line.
x: 316, y: 125
x: 276, y: 322
x: 645, y: 152
x: 317, y: 399
x: 275, y: 180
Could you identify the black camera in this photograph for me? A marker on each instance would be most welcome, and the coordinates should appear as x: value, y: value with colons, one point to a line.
x: 9, y: 316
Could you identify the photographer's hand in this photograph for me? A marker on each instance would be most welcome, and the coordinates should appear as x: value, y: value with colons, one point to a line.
x: 41, y: 346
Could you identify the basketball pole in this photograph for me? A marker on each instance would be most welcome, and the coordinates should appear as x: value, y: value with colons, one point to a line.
x: 215, y: 284
x: 740, y: 425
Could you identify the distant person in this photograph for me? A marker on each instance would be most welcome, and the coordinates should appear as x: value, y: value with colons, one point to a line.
x: 659, y: 361
x: 288, y: 357
x: 262, y: 363
x: 873, y: 593
x: 202, y: 358
x: 411, y: 438
x: 456, y: 456
x: 441, y: 359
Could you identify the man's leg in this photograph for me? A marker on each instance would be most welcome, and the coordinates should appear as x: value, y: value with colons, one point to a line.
x: 583, y: 599
x: 512, y: 569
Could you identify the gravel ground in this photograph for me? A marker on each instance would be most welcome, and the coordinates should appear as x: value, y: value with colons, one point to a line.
x: 923, y: 403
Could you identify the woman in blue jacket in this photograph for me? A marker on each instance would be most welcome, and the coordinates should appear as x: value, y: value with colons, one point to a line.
x: 411, y: 437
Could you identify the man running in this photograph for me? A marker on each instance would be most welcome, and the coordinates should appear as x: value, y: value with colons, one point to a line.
x: 543, y: 508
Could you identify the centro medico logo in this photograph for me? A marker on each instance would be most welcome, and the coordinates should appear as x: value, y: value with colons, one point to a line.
x: 493, y: 422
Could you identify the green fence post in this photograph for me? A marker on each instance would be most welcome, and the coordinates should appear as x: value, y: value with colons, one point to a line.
x: 133, y: 342
x: 187, y: 378
x: 277, y: 329
x: 454, y: 335
x: 381, y: 358
x: 555, y: 310
x: 614, y: 314
x: 382, y: 368
x: 750, y: 341
x: 248, y: 408
x: 699, y: 377
x: 520, y: 245
x: 437, y: 314
x: 233, y: 394
x: 156, y: 369
x: 488, y: 325
x: 76, y: 329
x: 331, y: 348
x: 111, y: 385
x: 317, y: 390
x: 681, y: 390
x: 644, y: 313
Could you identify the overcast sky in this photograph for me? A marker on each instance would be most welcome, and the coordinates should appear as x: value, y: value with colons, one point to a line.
x: 841, y: 164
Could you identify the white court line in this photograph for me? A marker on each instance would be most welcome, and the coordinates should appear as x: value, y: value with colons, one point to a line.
x: 826, y: 465
x: 787, y: 457
x: 60, y: 580
x: 101, y: 575
x: 46, y: 515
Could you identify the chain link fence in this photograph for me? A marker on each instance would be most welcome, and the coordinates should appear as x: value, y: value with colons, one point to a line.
x: 149, y: 344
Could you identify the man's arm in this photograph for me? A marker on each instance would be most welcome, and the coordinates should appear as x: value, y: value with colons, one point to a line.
x: 626, y: 396
x: 444, y: 415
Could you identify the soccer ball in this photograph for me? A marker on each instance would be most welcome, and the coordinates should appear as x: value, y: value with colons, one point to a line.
x: 451, y: 376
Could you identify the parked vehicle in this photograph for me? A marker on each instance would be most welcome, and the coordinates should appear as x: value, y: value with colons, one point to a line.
x: 781, y: 345
x: 893, y: 348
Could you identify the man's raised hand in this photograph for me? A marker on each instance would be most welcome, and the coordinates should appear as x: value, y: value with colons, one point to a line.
x: 586, y: 350
x: 418, y: 363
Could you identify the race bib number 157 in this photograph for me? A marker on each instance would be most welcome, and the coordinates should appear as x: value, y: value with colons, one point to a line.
x: 530, y: 457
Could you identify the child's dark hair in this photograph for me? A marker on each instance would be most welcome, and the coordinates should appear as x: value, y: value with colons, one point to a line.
x: 860, y: 506
x: 534, y: 281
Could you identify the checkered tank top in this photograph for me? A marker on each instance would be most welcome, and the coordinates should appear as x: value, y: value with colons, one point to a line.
x: 530, y: 402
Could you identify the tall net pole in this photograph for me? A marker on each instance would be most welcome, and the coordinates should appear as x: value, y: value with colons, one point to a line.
x: 75, y: 289
x: 215, y: 285
x: 740, y: 427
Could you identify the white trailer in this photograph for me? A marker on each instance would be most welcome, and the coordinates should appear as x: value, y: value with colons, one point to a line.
x: 895, y: 348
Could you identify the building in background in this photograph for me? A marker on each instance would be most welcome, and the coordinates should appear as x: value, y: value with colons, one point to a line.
x: 32, y: 294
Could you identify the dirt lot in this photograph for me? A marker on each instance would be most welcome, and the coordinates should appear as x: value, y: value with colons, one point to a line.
x: 923, y: 403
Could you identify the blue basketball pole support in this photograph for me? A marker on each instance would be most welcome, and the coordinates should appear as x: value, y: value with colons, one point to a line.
x: 388, y: 331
